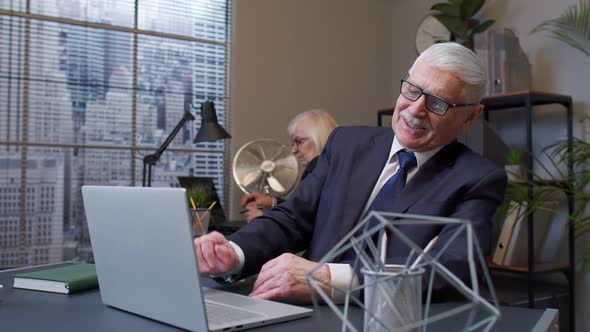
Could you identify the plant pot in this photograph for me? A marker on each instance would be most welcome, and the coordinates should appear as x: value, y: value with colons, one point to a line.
x: 465, y: 41
x: 514, y: 172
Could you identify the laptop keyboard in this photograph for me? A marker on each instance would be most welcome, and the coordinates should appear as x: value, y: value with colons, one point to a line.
x: 217, y: 313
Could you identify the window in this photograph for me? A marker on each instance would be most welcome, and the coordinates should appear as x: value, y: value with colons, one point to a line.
x: 89, y: 87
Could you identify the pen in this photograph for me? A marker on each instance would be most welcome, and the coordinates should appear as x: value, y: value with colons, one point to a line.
x: 426, y: 250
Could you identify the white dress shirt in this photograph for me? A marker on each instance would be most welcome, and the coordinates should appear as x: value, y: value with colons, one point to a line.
x: 341, y: 274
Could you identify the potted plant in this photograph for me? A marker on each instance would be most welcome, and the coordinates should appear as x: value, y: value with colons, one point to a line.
x: 573, y: 28
x: 198, y: 197
x: 514, y: 167
x: 557, y: 182
x: 577, y: 186
x: 458, y: 17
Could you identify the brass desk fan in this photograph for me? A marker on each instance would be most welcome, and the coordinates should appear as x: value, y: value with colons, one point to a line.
x: 265, y: 166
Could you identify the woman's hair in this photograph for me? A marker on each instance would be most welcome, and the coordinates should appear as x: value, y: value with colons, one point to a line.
x: 463, y: 62
x: 317, y: 125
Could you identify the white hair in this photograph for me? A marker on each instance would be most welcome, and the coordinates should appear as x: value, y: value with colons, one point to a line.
x: 461, y: 61
x: 317, y: 125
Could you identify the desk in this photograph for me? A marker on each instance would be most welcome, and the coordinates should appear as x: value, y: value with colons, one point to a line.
x: 22, y: 310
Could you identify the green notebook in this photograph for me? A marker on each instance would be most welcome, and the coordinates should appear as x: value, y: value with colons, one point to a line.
x: 66, y: 280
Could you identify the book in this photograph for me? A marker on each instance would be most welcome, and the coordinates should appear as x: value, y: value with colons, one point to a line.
x: 66, y: 280
x: 516, y: 238
x: 514, y: 210
x: 517, y: 252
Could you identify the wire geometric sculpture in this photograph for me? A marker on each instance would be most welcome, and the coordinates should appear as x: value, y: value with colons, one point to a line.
x: 478, y: 313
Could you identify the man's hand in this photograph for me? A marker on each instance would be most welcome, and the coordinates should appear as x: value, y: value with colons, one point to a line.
x: 284, y: 279
x: 252, y: 212
x: 215, y: 255
x: 256, y: 199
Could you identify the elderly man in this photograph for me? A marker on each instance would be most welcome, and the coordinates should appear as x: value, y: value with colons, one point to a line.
x: 418, y: 168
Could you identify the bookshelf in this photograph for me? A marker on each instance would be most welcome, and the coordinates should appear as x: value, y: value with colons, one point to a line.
x: 539, y: 268
x: 524, y: 101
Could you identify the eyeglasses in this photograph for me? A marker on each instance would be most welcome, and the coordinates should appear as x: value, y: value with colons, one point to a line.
x: 434, y: 104
x: 297, y: 141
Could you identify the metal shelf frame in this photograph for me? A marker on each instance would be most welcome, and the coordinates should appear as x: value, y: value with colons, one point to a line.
x: 526, y: 100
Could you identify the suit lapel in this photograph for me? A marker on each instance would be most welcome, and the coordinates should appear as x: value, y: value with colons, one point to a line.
x: 366, y: 172
x: 427, y: 176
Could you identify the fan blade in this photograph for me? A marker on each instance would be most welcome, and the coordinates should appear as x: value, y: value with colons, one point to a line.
x: 287, y: 161
x: 251, y: 178
x: 261, y: 150
x: 255, y: 155
x: 279, y: 153
x: 275, y: 184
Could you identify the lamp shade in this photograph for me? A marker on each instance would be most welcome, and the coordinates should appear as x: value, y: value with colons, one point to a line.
x: 210, y: 129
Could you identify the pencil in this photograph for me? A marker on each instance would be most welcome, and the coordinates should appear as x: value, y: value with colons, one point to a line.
x: 426, y: 250
x: 199, y: 222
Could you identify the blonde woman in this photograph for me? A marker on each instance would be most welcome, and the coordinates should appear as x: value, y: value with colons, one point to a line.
x: 309, y: 132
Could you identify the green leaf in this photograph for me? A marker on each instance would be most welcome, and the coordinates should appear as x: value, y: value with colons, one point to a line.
x: 470, y: 8
x: 572, y: 27
x: 457, y: 3
x: 514, y: 157
x: 446, y: 9
x: 483, y: 26
x: 453, y: 23
x: 199, y: 196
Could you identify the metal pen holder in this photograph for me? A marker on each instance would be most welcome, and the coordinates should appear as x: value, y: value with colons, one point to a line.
x: 383, y: 284
x: 393, y: 298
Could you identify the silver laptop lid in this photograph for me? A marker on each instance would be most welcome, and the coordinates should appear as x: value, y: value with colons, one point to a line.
x: 135, y: 256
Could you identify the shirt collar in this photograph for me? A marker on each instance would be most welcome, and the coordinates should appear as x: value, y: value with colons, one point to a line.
x: 421, y: 157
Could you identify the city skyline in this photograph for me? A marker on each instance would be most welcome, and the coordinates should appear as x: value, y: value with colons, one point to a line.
x: 80, y: 99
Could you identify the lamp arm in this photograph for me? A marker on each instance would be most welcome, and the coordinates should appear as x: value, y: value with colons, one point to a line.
x: 151, y: 159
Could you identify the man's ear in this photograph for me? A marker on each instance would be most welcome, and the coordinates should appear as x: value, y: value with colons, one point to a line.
x: 472, y: 116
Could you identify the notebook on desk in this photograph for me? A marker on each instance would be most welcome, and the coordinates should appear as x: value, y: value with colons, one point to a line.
x: 145, y: 260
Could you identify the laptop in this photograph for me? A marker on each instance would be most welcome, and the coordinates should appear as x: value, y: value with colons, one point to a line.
x: 145, y: 260
x: 218, y: 221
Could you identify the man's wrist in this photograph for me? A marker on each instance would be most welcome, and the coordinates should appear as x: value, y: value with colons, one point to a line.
x: 323, y: 278
x: 234, y: 274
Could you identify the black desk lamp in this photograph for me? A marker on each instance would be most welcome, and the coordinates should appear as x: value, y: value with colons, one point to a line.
x: 210, y: 131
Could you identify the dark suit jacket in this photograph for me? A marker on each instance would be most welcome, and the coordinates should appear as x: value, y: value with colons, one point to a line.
x: 327, y: 204
x: 308, y: 169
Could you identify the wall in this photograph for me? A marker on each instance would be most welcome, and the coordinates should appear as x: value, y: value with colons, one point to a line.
x: 293, y: 55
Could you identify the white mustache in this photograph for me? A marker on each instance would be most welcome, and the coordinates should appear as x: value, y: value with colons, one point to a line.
x: 413, y: 121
